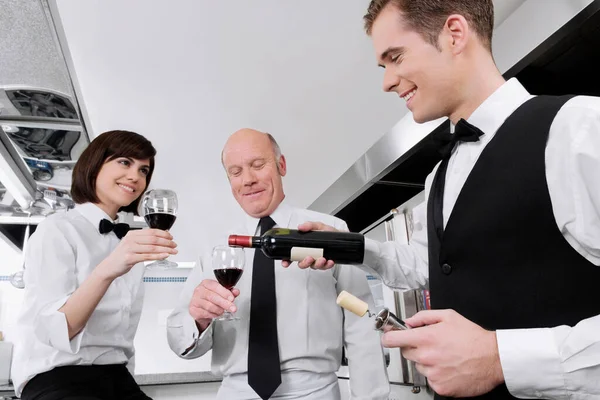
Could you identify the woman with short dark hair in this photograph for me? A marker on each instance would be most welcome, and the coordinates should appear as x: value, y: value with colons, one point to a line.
x: 83, y: 276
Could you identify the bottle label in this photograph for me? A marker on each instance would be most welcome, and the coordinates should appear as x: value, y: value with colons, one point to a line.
x: 300, y: 253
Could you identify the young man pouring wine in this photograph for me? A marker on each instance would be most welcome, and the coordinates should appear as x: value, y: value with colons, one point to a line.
x: 509, y: 238
x: 288, y: 336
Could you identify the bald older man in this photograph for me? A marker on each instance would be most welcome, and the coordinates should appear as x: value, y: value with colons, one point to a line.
x: 288, y: 340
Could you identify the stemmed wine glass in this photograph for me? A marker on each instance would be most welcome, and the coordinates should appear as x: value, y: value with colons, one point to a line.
x: 160, y: 211
x: 17, y: 279
x: 228, y: 265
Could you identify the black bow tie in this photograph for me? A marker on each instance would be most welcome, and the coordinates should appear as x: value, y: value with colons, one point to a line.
x: 120, y: 229
x: 463, y: 132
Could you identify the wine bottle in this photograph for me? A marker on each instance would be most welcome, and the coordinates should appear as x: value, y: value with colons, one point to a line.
x: 293, y: 245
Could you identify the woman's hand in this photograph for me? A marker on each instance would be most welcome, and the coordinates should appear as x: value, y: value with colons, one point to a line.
x: 137, y: 246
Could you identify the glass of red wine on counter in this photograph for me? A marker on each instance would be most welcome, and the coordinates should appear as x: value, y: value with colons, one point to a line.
x: 160, y: 211
x: 228, y: 265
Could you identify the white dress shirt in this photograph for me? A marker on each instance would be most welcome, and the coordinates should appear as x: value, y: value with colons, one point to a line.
x: 555, y: 362
x: 60, y: 256
x: 311, y: 327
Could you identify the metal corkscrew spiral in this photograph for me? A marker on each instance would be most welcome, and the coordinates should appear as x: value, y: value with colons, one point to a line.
x: 385, y: 320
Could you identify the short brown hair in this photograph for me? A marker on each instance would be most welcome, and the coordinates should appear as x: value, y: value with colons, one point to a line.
x: 107, y: 147
x: 427, y: 17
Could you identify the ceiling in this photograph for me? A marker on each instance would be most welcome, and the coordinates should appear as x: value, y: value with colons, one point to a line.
x: 187, y: 74
x: 503, y: 8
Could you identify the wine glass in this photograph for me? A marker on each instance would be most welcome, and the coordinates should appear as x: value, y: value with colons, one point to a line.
x: 160, y: 211
x: 228, y: 265
x: 17, y: 280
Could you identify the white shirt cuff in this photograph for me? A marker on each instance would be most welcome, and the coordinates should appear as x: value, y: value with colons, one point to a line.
x: 184, y: 335
x: 52, y: 329
x: 531, y: 363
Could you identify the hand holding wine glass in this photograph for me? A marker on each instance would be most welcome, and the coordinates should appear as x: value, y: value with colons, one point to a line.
x: 228, y: 265
x: 209, y: 301
x: 160, y: 211
x: 137, y: 246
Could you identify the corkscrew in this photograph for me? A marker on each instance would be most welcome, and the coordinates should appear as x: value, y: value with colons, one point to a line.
x: 385, y: 320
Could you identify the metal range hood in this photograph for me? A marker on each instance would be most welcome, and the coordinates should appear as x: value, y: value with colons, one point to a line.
x: 393, y: 170
x: 42, y: 132
x: 390, y: 173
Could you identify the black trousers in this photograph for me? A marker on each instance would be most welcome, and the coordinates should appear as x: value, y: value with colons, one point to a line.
x: 84, y: 382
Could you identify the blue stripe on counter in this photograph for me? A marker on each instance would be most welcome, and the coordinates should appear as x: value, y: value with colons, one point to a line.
x: 163, y: 279
x: 149, y: 279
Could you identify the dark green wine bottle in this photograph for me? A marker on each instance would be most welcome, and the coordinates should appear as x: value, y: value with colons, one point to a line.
x: 293, y: 245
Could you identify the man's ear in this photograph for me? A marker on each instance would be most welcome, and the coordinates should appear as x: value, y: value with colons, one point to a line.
x: 281, y: 166
x: 456, y: 33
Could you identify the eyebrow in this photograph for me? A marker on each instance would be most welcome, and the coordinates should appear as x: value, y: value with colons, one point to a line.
x: 132, y: 160
x: 232, y: 167
x: 386, y: 54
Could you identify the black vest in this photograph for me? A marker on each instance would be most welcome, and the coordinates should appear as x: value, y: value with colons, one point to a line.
x: 502, y: 261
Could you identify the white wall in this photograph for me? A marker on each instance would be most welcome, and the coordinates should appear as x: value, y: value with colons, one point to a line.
x: 529, y: 26
x: 187, y: 74
x: 153, y: 354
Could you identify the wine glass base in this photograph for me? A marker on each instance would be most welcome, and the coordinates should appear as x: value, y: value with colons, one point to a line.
x: 227, y: 316
x: 162, y: 265
x: 17, y: 281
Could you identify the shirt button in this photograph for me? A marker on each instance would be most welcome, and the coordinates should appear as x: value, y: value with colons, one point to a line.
x: 447, y: 269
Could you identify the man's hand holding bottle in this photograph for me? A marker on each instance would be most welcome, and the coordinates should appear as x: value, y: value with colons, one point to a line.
x: 310, y: 262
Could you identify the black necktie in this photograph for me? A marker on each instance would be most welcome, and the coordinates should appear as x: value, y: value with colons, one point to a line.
x: 264, y: 373
x: 463, y: 132
x: 106, y: 226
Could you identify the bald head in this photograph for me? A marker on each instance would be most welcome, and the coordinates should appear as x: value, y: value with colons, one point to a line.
x: 247, y: 134
x: 254, y: 166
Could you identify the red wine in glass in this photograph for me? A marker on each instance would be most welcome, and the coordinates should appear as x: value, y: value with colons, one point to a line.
x: 162, y: 221
x: 228, y: 265
x: 160, y: 210
x: 228, y: 277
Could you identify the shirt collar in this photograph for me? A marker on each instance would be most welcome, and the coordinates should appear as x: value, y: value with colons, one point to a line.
x: 93, y: 213
x: 281, y: 216
x: 492, y: 113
